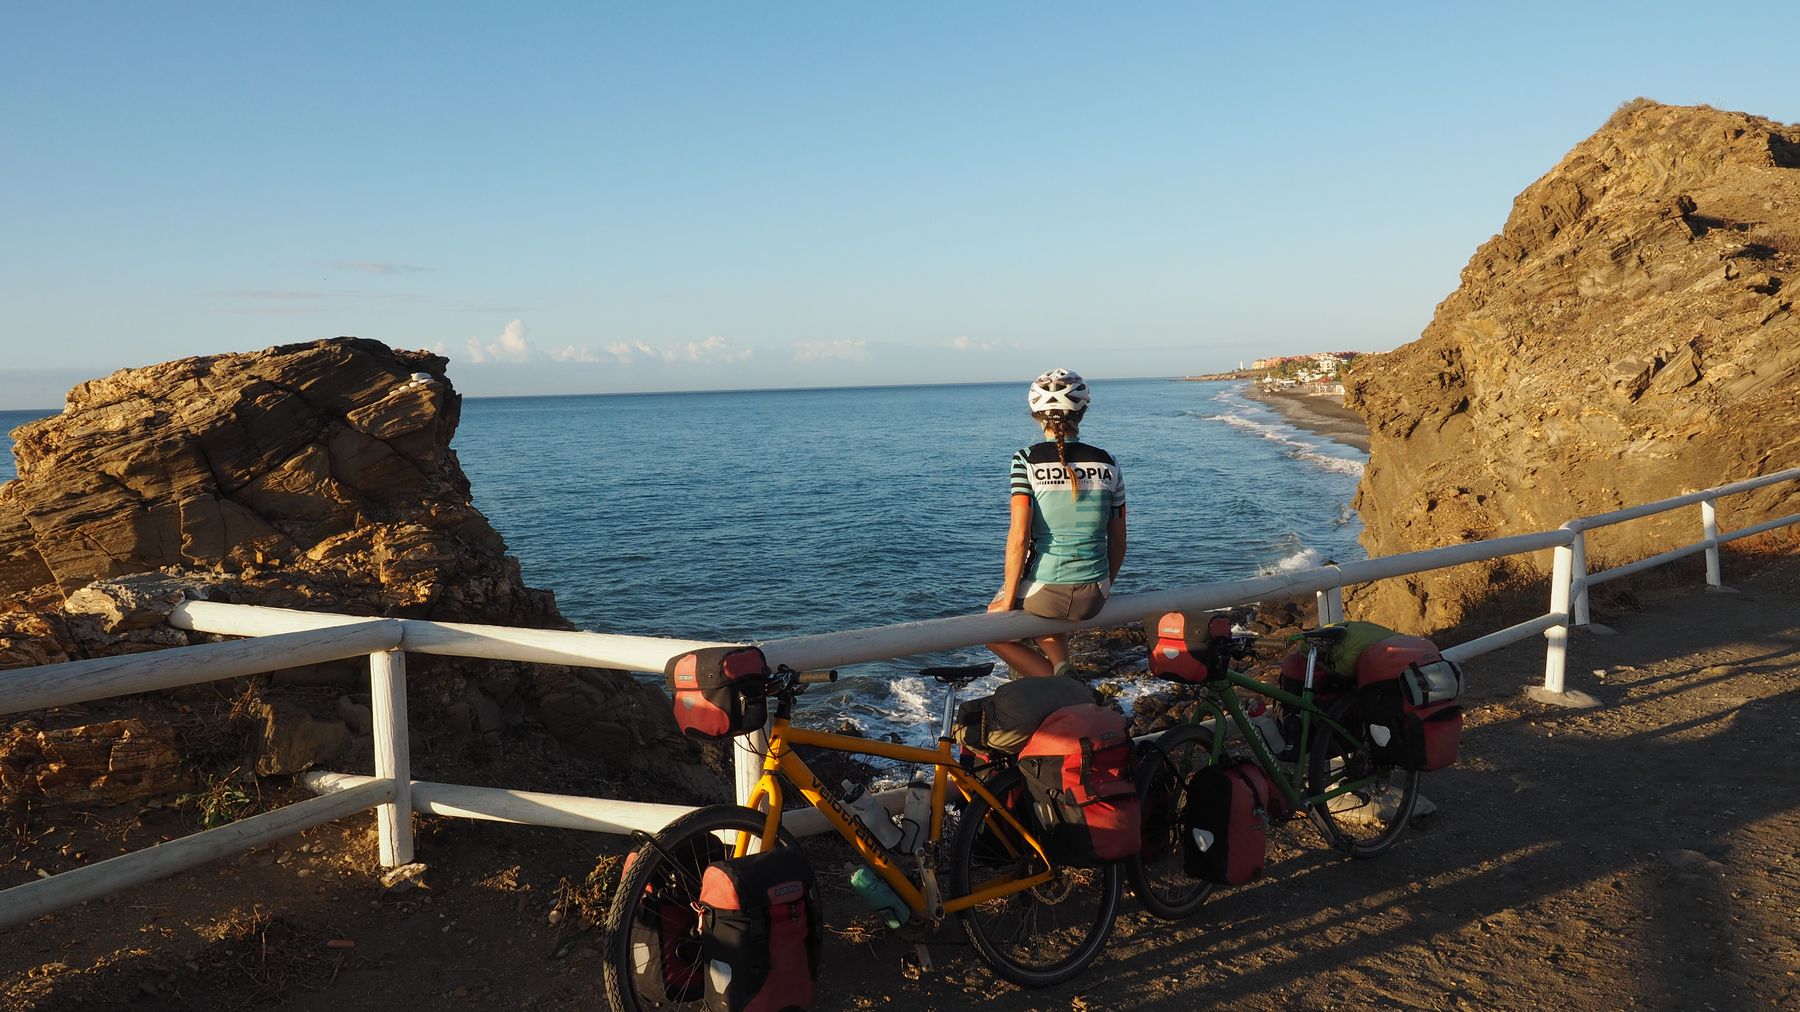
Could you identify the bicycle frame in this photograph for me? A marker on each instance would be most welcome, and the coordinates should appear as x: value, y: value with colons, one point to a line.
x: 782, y: 761
x: 1220, y: 700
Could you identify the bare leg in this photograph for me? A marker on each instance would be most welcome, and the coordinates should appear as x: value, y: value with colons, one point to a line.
x: 1024, y: 661
x: 1055, y: 648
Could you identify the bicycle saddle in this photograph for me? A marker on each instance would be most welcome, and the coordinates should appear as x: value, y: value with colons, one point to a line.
x: 958, y: 674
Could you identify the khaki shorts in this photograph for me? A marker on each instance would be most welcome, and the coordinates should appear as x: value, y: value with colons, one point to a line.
x: 1073, y: 601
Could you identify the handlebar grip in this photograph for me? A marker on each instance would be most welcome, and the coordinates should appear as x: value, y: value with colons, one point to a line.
x: 817, y: 677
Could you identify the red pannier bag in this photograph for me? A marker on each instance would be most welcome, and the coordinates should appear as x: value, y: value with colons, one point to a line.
x: 1388, y: 659
x: 1077, y: 767
x: 1337, y: 665
x: 761, y: 927
x: 1181, y: 649
x: 664, y: 940
x: 718, y: 691
x: 1225, y: 824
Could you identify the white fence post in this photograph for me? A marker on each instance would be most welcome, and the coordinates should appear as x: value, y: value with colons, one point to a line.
x: 1557, y: 636
x: 393, y: 754
x: 1578, y: 570
x: 747, y: 762
x: 1709, y: 524
x: 1331, y: 605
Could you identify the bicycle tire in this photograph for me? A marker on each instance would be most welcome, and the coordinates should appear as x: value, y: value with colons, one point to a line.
x: 1358, y: 823
x: 673, y: 860
x: 1057, y: 928
x: 1157, y: 874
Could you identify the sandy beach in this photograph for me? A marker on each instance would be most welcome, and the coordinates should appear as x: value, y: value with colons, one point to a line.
x: 1323, y: 414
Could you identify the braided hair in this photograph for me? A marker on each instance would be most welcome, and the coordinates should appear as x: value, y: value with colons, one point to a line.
x: 1063, y: 426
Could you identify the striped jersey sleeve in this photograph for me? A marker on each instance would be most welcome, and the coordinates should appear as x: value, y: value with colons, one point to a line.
x: 1021, y: 481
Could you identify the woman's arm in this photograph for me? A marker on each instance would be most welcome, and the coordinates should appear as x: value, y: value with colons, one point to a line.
x: 1115, y: 544
x: 1018, y: 544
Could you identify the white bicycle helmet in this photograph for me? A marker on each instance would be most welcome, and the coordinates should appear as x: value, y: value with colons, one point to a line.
x: 1058, y: 390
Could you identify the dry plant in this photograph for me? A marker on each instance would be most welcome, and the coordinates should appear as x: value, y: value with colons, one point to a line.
x: 223, y: 799
x: 584, y: 905
x: 278, y: 955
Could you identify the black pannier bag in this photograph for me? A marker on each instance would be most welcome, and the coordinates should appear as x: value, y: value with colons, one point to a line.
x: 1004, y: 721
x: 1225, y: 824
x: 1077, y: 768
x: 664, y: 940
x: 718, y: 691
x: 1408, y: 735
x: 1409, y: 702
x: 761, y: 927
x: 1181, y: 649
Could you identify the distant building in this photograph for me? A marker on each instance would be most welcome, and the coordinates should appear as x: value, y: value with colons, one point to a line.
x: 1319, y: 369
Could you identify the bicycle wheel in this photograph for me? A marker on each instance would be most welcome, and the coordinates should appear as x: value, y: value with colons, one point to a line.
x: 1157, y: 875
x: 1367, y: 820
x: 652, y: 942
x: 1034, y: 937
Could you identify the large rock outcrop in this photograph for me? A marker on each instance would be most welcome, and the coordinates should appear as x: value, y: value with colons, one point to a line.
x: 315, y: 476
x: 1628, y: 336
x: 330, y: 460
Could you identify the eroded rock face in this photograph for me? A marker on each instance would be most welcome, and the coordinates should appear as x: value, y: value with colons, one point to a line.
x: 91, y: 764
x: 296, y: 457
x: 1628, y: 336
x: 315, y: 476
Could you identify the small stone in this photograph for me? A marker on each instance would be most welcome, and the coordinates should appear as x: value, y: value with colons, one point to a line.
x: 403, y: 878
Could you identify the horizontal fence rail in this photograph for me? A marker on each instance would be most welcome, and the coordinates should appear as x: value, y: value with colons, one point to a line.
x: 283, y: 639
x: 22, y: 903
x: 485, y: 642
x: 102, y: 677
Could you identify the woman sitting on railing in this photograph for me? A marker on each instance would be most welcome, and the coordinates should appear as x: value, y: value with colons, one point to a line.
x: 1067, y: 535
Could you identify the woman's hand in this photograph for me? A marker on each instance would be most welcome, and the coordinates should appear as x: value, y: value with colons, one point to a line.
x: 1003, y: 600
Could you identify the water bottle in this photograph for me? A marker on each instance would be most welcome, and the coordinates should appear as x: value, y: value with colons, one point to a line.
x: 1266, y: 725
x: 916, y: 822
x: 871, y: 814
x: 880, y: 896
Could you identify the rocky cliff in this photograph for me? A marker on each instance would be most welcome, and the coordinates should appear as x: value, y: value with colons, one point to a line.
x: 1629, y: 335
x: 316, y: 476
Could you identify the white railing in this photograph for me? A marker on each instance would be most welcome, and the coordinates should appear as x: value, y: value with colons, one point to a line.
x: 286, y: 639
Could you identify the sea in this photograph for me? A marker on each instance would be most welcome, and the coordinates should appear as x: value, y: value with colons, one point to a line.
x: 758, y: 514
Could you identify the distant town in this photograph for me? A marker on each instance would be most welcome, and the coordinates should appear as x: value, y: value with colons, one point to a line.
x: 1322, y: 372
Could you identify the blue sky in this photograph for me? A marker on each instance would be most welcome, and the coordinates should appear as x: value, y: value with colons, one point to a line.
x: 595, y: 197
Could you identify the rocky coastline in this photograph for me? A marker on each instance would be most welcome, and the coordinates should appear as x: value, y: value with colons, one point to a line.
x: 314, y: 476
x: 1628, y: 336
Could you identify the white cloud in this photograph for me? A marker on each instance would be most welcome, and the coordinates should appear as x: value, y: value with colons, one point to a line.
x: 574, y: 354
x: 714, y: 349
x: 511, y: 347
x: 964, y: 345
x: 849, y: 351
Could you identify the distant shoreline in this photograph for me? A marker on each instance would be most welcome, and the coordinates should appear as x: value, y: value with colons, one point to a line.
x: 1320, y: 414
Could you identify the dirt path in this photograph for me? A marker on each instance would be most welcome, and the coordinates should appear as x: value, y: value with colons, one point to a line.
x: 1645, y: 854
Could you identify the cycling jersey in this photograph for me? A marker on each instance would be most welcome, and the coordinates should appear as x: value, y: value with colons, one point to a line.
x: 1068, y: 533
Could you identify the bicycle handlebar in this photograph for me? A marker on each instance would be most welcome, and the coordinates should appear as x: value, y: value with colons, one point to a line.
x: 815, y: 677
